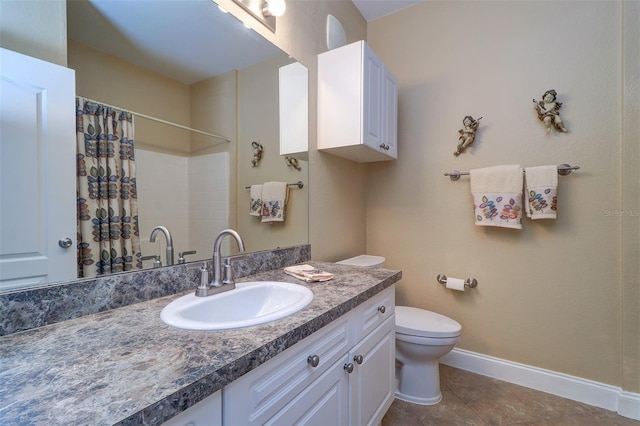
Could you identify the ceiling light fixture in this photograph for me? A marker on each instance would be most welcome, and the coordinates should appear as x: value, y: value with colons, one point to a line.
x: 264, y: 11
x: 274, y: 8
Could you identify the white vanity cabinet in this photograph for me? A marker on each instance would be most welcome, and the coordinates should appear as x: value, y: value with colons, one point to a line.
x: 357, y: 104
x: 207, y: 412
x: 342, y: 374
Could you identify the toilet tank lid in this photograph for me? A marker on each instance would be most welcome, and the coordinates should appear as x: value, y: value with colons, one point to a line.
x: 420, y: 322
x: 366, y: 260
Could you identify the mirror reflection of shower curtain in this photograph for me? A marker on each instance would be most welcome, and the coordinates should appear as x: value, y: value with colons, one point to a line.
x: 108, y: 233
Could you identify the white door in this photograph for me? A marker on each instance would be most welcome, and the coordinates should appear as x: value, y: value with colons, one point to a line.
x: 37, y: 171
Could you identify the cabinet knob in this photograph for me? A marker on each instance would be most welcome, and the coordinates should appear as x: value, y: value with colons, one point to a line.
x: 358, y: 359
x: 313, y: 360
x: 382, y: 309
x: 384, y: 146
x: 348, y: 368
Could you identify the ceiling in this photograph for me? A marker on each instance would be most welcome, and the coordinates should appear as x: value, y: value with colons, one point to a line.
x: 153, y: 34
x: 187, y: 40
x: 374, y: 9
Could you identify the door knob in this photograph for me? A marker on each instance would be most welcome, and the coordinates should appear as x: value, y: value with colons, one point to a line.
x: 358, y: 359
x: 348, y: 368
x: 65, y: 242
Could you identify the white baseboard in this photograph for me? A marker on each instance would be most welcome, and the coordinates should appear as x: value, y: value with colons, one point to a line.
x: 612, y: 398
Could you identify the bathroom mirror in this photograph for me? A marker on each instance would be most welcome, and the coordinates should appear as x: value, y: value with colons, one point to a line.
x: 183, y: 45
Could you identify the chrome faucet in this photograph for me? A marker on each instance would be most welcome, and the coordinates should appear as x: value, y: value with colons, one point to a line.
x: 167, y: 236
x: 222, y: 281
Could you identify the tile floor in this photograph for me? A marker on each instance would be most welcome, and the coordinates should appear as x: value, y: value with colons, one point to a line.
x: 472, y: 399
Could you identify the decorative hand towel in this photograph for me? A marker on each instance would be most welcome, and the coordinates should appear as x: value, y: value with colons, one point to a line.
x: 308, y: 273
x: 255, y: 208
x: 542, y: 192
x: 274, y: 199
x: 497, y: 196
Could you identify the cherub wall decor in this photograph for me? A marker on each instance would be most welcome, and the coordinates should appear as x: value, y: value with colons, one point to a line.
x: 467, y: 133
x: 548, y: 111
x: 257, y: 153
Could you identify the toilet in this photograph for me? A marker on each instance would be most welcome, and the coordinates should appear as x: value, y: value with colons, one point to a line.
x: 422, y: 337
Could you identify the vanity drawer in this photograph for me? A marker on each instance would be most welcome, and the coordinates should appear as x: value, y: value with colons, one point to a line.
x: 374, y: 312
x: 258, y: 395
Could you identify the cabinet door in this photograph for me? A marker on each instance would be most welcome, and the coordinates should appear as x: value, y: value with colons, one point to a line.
x: 372, y: 381
x: 323, y: 403
x: 294, y: 110
x: 372, y: 95
x: 262, y: 393
x: 207, y: 412
x: 390, y: 114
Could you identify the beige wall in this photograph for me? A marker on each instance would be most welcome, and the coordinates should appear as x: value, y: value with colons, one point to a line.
x: 336, y: 198
x: 258, y: 121
x: 561, y: 295
x: 35, y: 28
x: 631, y: 198
x: 550, y: 295
x: 137, y: 89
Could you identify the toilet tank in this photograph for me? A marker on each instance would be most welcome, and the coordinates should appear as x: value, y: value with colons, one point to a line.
x: 364, y: 260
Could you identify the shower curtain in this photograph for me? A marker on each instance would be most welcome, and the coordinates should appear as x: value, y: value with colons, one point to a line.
x: 108, y: 236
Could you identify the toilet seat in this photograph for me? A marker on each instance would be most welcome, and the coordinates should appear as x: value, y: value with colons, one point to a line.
x: 422, y: 323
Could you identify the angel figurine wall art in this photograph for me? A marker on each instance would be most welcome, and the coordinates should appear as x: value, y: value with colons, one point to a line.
x: 467, y: 133
x: 548, y: 110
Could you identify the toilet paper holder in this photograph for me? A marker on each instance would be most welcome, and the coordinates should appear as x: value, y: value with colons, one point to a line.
x: 469, y: 282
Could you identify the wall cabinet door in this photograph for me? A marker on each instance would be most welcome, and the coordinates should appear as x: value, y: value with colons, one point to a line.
x: 294, y: 111
x: 371, y: 385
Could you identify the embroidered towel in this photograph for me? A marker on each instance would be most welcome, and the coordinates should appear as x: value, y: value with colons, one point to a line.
x: 255, y: 208
x: 542, y: 192
x: 308, y: 273
x: 274, y: 199
x: 497, y: 196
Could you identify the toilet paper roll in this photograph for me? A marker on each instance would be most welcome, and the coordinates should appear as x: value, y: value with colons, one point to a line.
x: 455, y: 284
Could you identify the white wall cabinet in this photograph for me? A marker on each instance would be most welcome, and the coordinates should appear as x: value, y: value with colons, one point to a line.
x: 294, y: 110
x: 342, y: 374
x: 357, y: 104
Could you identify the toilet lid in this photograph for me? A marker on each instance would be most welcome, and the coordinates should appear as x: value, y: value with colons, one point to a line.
x: 419, y: 322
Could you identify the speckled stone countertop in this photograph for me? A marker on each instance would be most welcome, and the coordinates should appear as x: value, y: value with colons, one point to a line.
x: 125, y: 366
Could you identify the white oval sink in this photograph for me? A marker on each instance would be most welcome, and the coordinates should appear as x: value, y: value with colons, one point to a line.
x: 250, y: 303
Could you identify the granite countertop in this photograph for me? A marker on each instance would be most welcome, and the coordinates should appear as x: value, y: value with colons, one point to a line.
x: 125, y: 366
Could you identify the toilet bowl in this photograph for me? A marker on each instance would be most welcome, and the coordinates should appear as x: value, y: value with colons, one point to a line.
x: 422, y: 337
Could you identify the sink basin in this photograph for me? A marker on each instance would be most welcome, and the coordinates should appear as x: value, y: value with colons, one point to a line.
x: 250, y: 303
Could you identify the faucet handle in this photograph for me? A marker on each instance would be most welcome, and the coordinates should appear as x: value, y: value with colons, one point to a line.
x: 203, y: 288
x: 182, y: 254
x: 156, y: 260
x: 227, y: 275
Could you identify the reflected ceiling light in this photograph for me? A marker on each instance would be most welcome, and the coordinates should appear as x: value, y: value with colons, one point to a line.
x: 274, y: 8
x: 264, y: 11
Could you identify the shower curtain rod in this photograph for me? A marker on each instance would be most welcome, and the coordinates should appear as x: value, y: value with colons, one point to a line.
x: 159, y: 120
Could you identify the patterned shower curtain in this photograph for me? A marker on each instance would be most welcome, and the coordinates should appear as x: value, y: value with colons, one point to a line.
x: 108, y: 237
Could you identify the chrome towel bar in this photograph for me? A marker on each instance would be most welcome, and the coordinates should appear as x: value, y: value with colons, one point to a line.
x: 563, y: 170
x: 299, y: 184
